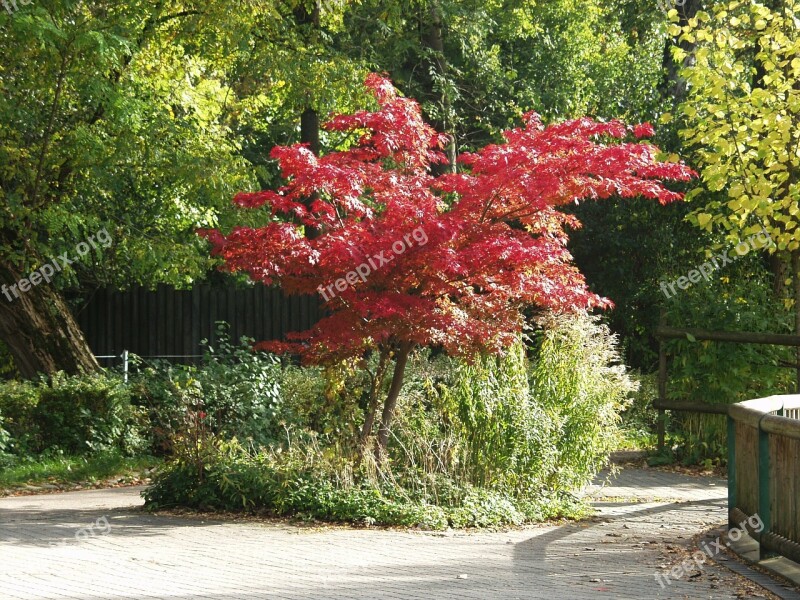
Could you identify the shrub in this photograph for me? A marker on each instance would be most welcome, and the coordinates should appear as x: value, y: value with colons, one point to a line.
x: 236, y: 388
x: 87, y: 413
x: 579, y: 381
x: 75, y: 414
x: 475, y: 424
x: 18, y: 399
x: 492, y: 442
x: 5, y: 442
x: 307, y: 483
x: 639, y: 420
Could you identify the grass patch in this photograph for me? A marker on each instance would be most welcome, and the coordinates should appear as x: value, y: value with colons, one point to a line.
x: 64, y: 469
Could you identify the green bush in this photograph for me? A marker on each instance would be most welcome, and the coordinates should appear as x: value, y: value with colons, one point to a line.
x: 306, y: 483
x: 473, y: 423
x: 524, y: 427
x: 18, y: 399
x: 88, y: 413
x: 580, y: 383
x: 640, y: 419
x: 326, y: 401
x: 236, y: 389
x: 492, y: 442
x: 75, y: 414
x: 5, y: 441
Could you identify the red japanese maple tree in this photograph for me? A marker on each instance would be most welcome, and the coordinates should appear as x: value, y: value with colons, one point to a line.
x: 405, y: 258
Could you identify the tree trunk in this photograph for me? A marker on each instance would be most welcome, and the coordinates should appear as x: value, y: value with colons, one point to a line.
x: 777, y: 266
x: 382, y: 442
x: 433, y: 39
x: 39, y: 329
x: 372, y: 407
x: 309, y: 129
x: 672, y: 85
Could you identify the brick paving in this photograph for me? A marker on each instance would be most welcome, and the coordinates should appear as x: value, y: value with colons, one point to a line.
x: 644, y: 519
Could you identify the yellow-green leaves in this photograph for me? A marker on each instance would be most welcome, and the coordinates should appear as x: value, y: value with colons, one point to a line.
x: 704, y: 220
x: 742, y: 117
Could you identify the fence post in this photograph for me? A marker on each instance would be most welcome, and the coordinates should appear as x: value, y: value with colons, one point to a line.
x: 125, y: 365
x: 764, y: 509
x: 662, y: 388
x: 731, y: 470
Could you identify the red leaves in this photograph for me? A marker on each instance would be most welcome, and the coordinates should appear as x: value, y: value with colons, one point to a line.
x: 495, y: 240
x: 643, y: 130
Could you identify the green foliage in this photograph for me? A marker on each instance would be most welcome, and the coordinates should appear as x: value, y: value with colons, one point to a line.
x: 7, y: 368
x: 18, y: 399
x: 237, y: 390
x: 307, y: 483
x: 719, y: 373
x: 5, y: 438
x: 639, y: 420
x: 561, y: 58
x: 496, y: 441
x: 90, y: 413
x: 476, y: 423
x: 101, y: 103
x: 742, y: 114
x: 626, y: 248
x: 582, y: 386
x: 76, y: 414
x: 327, y: 401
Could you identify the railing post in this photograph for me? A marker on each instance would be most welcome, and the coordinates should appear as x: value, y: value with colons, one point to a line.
x: 764, y: 509
x: 125, y: 365
x: 731, y: 470
x: 662, y: 387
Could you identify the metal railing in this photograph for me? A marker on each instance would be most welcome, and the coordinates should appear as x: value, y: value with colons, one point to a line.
x: 125, y: 357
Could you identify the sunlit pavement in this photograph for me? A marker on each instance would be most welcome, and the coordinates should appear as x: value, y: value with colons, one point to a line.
x: 99, y: 544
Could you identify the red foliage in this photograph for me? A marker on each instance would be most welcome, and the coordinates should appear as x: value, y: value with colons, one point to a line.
x: 494, y: 238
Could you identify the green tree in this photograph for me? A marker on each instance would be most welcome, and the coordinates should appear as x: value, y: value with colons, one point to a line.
x: 111, y: 118
x: 742, y: 118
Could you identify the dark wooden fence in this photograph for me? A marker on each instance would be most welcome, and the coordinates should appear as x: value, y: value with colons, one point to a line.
x: 170, y: 323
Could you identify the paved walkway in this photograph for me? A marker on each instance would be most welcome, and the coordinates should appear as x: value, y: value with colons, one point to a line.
x: 99, y: 545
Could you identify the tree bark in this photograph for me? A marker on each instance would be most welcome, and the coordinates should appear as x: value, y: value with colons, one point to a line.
x: 433, y: 39
x: 375, y: 389
x: 309, y: 129
x: 778, y: 267
x: 673, y: 86
x: 382, y: 441
x: 40, y: 331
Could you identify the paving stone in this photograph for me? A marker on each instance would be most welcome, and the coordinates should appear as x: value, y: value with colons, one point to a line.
x: 143, y: 556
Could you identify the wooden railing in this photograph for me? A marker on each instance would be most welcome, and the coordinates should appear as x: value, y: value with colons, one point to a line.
x: 664, y: 333
x: 764, y: 471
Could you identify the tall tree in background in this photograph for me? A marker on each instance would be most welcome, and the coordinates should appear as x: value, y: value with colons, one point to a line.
x: 742, y: 117
x: 113, y: 116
